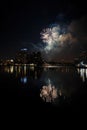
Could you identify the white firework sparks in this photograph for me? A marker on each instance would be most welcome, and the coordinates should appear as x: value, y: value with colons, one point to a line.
x: 50, y: 36
x: 57, y: 38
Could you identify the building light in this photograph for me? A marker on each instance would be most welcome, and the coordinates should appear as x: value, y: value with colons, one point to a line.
x: 24, y: 49
x: 12, y: 60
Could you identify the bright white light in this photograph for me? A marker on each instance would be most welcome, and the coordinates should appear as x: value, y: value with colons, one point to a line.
x: 82, y: 74
x: 12, y: 60
x: 50, y: 36
x: 56, y: 37
x: 11, y: 69
x: 86, y: 73
x: 24, y: 49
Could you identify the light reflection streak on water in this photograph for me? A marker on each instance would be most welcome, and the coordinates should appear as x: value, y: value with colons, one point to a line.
x: 19, y: 71
x: 86, y: 73
x: 24, y: 80
x: 6, y: 69
x: 32, y: 68
x: 11, y: 69
x: 24, y: 69
x: 83, y: 73
x: 35, y: 74
x: 24, y: 77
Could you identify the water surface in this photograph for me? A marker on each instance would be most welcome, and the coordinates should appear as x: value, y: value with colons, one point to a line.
x: 44, y: 86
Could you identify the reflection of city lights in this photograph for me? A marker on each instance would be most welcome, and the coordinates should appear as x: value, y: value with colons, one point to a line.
x: 48, y: 93
x: 24, y: 69
x: 24, y: 80
x: 19, y: 69
x: 78, y: 70
x: 83, y: 73
x: 86, y: 73
x: 32, y: 68
x: 32, y: 65
x: 6, y: 69
x: 35, y: 74
x: 15, y: 68
x: 11, y: 69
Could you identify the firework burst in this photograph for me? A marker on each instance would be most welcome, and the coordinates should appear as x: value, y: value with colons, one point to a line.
x: 56, y: 36
x: 50, y: 35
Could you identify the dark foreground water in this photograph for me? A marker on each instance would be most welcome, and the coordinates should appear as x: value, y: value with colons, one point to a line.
x: 52, y: 87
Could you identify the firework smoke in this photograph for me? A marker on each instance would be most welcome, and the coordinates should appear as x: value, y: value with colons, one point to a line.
x: 56, y: 37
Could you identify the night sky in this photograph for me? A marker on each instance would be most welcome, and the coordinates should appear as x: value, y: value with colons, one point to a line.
x: 22, y: 22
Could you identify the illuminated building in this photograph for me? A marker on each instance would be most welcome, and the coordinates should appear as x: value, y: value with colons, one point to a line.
x: 22, y: 56
x: 8, y: 62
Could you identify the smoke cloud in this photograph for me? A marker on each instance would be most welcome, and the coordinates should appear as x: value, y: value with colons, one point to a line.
x: 65, y: 41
